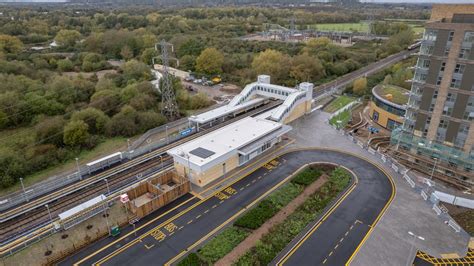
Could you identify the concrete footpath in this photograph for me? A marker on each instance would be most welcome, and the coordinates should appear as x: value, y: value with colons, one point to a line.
x: 389, y: 243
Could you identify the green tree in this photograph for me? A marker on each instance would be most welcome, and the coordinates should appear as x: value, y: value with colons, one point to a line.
x: 135, y: 70
x: 106, y: 100
x: 210, y: 61
x: 67, y: 38
x: 3, y: 120
x: 76, y: 133
x: 126, y: 53
x: 95, y: 119
x: 359, y: 86
x: 124, y: 123
x: 10, y: 44
x: 65, y: 65
x: 273, y: 63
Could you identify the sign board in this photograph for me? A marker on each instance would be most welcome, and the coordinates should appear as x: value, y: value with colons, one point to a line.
x: 124, y: 198
x: 186, y: 131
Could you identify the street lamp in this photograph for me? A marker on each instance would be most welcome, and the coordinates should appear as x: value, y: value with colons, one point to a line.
x: 434, y: 167
x: 78, y: 169
x: 161, y: 159
x: 107, y: 184
x: 413, y: 244
x: 166, y: 129
x: 24, y: 191
x: 49, y: 214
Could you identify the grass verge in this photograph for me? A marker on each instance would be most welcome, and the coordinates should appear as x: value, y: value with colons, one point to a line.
x: 338, y: 103
x: 344, y: 117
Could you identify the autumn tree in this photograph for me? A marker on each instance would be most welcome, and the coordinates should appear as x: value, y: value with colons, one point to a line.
x: 95, y: 119
x: 76, y: 133
x: 67, y: 38
x: 359, y: 86
x: 306, y: 68
x: 10, y: 44
x: 210, y: 61
x: 273, y: 63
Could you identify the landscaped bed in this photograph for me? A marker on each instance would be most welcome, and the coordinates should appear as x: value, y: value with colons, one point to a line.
x: 344, y: 117
x: 338, y: 103
x: 282, y: 233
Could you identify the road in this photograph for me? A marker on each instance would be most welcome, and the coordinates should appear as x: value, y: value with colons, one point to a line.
x: 176, y: 231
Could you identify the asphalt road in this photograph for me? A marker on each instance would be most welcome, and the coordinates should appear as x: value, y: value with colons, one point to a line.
x: 196, y: 220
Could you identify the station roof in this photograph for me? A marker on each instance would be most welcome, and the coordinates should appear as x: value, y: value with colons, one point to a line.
x: 218, y: 144
x: 222, y: 111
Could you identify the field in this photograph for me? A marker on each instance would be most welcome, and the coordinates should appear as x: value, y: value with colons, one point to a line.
x: 359, y: 27
x: 338, y: 103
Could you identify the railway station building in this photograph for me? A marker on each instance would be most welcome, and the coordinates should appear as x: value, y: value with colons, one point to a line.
x: 213, y: 155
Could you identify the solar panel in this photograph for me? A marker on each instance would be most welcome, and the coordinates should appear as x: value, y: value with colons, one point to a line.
x: 202, y: 153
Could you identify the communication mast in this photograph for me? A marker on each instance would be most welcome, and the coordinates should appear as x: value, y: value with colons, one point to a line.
x: 169, y: 106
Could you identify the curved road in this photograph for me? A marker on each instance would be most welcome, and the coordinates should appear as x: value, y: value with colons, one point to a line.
x: 168, y: 237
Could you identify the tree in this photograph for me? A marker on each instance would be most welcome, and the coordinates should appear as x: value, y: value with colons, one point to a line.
x: 273, y: 63
x: 3, y: 120
x: 65, y: 65
x: 317, y: 43
x: 76, y: 133
x: 67, y: 38
x: 387, y: 80
x: 106, y: 100
x: 135, y: 70
x: 10, y: 44
x: 359, y: 86
x: 210, y: 61
x: 50, y: 130
x: 95, y: 119
x: 149, y: 120
x: 124, y: 123
x: 306, y: 68
x: 126, y: 53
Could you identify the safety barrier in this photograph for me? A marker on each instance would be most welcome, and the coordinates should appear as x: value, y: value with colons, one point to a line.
x: 426, y: 190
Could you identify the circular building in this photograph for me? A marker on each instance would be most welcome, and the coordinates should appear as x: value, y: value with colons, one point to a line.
x: 389, y: 105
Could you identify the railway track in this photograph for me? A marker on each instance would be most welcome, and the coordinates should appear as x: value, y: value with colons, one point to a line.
x: 28, y: 221
x: 88, y: 188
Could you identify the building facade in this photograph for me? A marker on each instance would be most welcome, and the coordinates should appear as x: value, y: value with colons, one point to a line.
x: 388, y: 106
x: 440, y: 113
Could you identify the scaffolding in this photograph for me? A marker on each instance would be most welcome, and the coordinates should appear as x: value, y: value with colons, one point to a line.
x: 451, y: 155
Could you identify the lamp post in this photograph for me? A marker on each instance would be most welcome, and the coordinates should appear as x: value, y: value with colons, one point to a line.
x: 166, y: 130
x: 161, y: 159
x: 49, y: 214
x: 413, y: 245
x: 24, y: 191
x: 78, y: 169
x: 107, y: 184
x: 434, y: 167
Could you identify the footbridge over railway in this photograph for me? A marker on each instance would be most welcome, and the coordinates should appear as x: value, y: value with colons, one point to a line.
x: 296, y: 102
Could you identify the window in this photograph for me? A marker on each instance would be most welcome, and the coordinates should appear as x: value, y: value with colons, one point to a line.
x: 443, y: 123
x: 438, y: 81
x: 430, y: 35
x: 435, y: 94
x: 426, y: 49
x: 420, y: 77
x: 424, y: 63
x: 455, y: 83
x: 464, y: 53
x: 459, y: 68
x: 451, y: 36
x: 446, y: 51
x: 443, y: 66
x: 447, y: 110
x: 469, y: 37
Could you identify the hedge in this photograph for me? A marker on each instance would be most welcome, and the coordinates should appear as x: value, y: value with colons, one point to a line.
x: 222, y: 244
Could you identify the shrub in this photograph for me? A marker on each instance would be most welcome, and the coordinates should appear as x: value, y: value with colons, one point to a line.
x: 191, y: 260
x: 254, y: 218
x: 307, y: 177
x: 222, y: 244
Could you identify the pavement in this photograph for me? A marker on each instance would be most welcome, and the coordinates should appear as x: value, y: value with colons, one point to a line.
x: 389, y: 243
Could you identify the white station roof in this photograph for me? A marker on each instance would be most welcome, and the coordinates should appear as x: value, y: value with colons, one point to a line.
x: 222, y: 143
x: 222, y: 111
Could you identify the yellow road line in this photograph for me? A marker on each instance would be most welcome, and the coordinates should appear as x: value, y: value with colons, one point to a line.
x: 118, y: 251
x: 276, y: 186
x: 327, y: 214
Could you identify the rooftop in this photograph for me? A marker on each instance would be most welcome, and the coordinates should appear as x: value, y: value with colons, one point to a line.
x: 224, y: 141
x: 222, y: 111
x: 392, y: 93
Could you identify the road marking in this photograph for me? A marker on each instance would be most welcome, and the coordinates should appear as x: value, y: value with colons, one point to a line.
x: 330, y: 254
x: 206, y: 211
x: 346, y: 233
x: 242, y: 188
x: 190, y: 221
x: 181, y: 227
x: 248, y: 184
x: 148, y: 247
x: 199, y: 216
x: 325, y: 261
x: 220, y: 202
x: 171, y: 234
x: 214, y: 206
x: 337, y: 245
x: 128, y: 245
x: 341, y: 239
x: 352, y: 226
x: 253, y: 181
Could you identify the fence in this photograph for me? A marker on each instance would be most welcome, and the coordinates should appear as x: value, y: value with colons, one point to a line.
x: 424, y: 186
